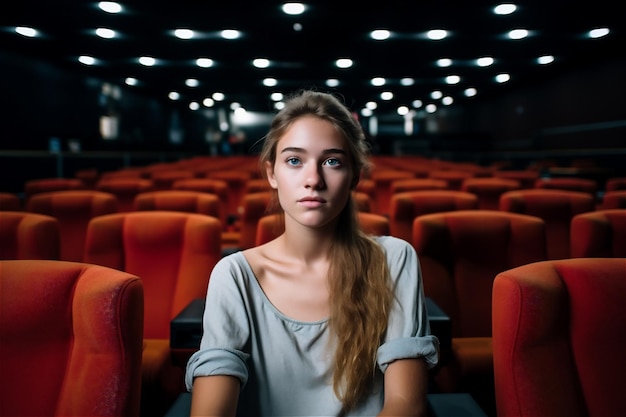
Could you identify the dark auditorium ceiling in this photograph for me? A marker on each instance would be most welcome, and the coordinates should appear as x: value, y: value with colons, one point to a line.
x: 329, y: 30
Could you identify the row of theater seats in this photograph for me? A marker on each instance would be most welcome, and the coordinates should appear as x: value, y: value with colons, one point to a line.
x: 558, y: 336
x: 74, y: 208
x: 460, y: 253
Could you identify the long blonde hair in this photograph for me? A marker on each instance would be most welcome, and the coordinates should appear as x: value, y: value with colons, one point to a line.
x: 360, y: 291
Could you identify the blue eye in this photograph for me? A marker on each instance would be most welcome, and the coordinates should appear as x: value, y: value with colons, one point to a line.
x: 333, y: 162
x: 293, y: 160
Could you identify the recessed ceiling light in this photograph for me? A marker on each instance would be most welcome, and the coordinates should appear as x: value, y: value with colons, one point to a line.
x: 504, y: 9
x: 110, y: 6
x: 293, y: 8
x: 26, y: 31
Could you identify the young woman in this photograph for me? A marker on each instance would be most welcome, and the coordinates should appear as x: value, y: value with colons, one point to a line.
x: 324, y: 320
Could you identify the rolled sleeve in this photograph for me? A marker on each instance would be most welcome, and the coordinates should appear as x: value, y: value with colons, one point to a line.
x: 217, y: 362
x: 426, y: 347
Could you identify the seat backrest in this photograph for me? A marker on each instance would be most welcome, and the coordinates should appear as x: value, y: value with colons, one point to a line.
x: 173, y: 253
x: 453, y: 177
x: 599, y: 234
x: 614, y: 200
x: 526, y: 177
x: 555, y: 207
x: 489, y: 189
x: 417, y: 184
x: 271, y: 226
x: 10, y: 202
x: 181, y: 200
x: 73, y: 209
x: 572, y: 184
x: 615, y: 184
x: 25, y: 235
x: 236, y: 180
x: 254, y: 206
x: 125, y: 189
x: 362, y: 201
x: 462, y: 251
x: 44, y: 185
x: 559, y: 337
x: 404, y: 207
x: 71, y: 339
x: 163, y: 179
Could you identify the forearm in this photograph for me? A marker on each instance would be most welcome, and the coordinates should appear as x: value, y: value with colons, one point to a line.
x: 406, y: 387
x: 215, y: 396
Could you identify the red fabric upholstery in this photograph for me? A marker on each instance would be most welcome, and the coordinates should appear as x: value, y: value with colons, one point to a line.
x: 461, y: 252
x: 208, y: 185
x: 571, y: 184
x: 527, y: 178
x: 174, y: 254
x: 255, y: 206
x: 44, y: 185
x: 453, y: 177
x: 614, y: 199
x: 417, y: 184
x: 599, y: 234
x: 272, y: 225
x: 181, y: 200
x: 383, y: 177
x: 615, y: 184
x: 164, y: 179
x: 70, y: 337
x: 406, y: 206
x: 10, y: 202
x: 73, y: 209
x: 362, y: 201
x: 26, y: 235
x: 489, y: 189
x: 555, y: 207
x: 236, y: 181
x: 125, y: 189
x: 559, y: 337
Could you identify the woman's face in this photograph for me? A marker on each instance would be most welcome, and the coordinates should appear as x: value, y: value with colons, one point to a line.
x: 311, y: 173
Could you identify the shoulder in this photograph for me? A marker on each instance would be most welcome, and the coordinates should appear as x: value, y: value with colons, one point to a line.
x: 395, y: 246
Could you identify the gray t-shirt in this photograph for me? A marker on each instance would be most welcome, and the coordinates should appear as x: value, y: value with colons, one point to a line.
x: 284, y: 365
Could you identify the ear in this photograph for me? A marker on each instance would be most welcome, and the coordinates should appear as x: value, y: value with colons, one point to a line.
x: 271, y: 178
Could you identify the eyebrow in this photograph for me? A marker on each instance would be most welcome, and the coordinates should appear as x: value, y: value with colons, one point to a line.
x: 302, y: 150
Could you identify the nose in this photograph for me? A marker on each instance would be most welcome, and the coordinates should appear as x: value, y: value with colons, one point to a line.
x: 314, y: 177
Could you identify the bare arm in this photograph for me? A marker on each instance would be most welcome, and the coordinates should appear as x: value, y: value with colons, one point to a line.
x: 215, y: 396
x: 406, y: 386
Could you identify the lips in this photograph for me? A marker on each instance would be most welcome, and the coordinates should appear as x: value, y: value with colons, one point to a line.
x: 311, y: 202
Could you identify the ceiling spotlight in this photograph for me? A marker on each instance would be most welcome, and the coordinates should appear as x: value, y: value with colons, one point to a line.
x: 518, y: 34
x: 504, y: 9
x: 380, y: 34
x: 105, y: 33
x: 270, y: 82
x: 230, y: 34
x: 546, y: 59
x: 87, y: 60
x: 261, y: 62
x: 184, y: 33
x: 26, y: 31
x: 110, y: 6
x: 598, y: 33
x: 204, y: 62
x: 444, y: 62
x: 437, y: 34
x: 502, y: 78
x: 148, y: 61
x: 344, y: 63
x: 192, y: 82
x: 293, y: 8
